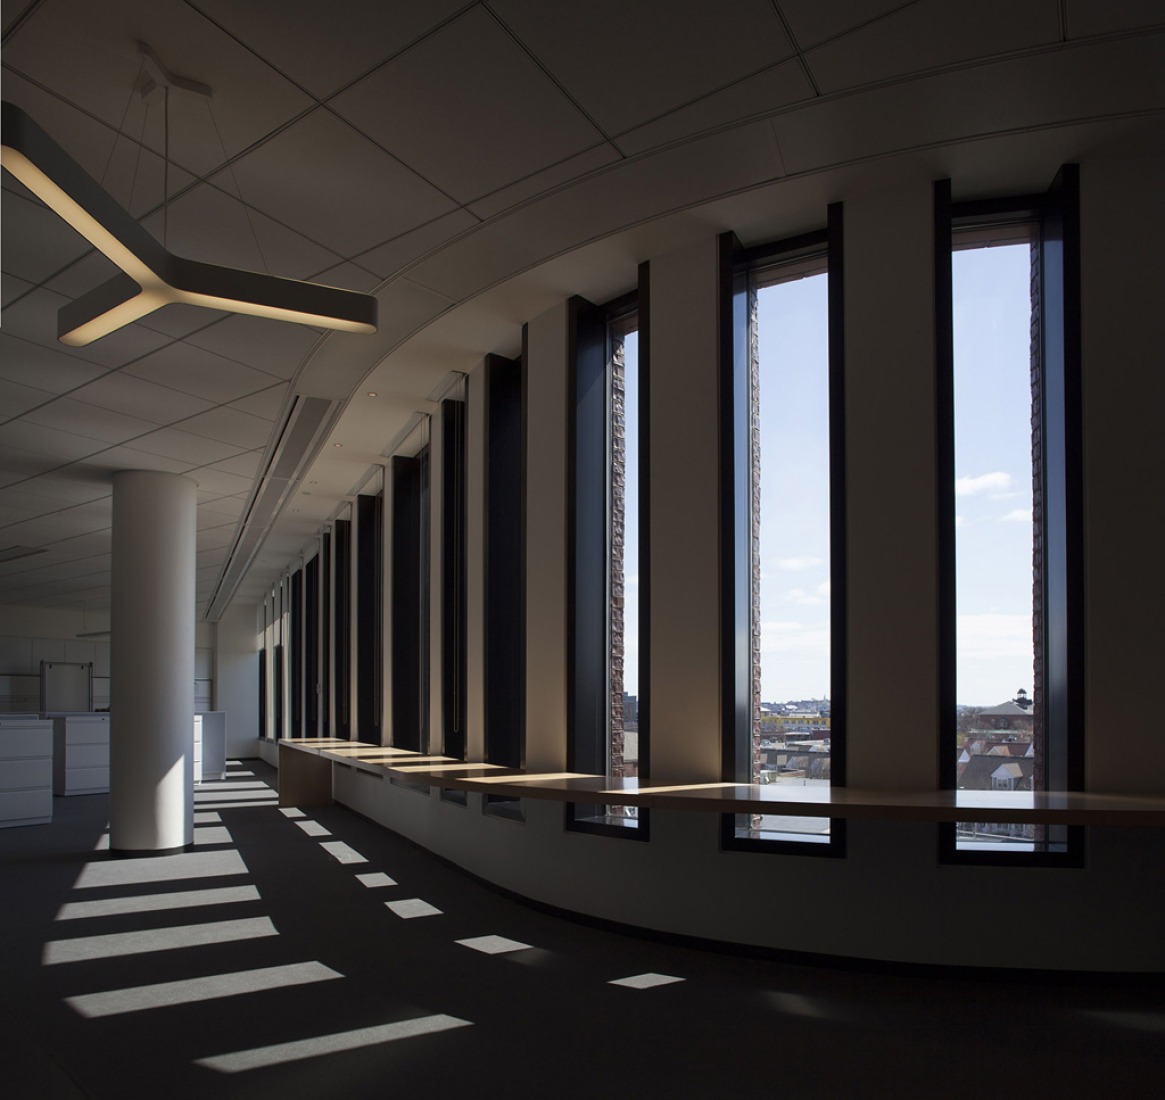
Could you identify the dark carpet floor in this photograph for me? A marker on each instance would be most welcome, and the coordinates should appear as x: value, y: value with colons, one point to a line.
x: 262, y: 965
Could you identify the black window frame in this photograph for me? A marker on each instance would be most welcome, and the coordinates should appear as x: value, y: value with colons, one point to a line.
x: 342, y: 628
x: 454, y: 576
x: 592, y: 336
x: 1056, y: 216
x: 369, y: 588
x: 738, y: 266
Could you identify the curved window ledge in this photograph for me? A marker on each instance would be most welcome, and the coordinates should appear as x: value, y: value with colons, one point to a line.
x: 1049, y: 807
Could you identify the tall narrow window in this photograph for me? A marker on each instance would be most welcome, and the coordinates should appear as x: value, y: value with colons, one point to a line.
x: 1009, y: 419
x: 369, y: 574
x: 784, y: 533
x: 410, y: 600
x: 342, y: 665
x: 296, y: 655
x: 453, y: 576
x: 326, y: 634
x: 311, y: 648
x: 606, y: 456
x: 505, y: 659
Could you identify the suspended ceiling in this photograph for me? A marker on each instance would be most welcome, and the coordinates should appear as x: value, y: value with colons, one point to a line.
x: 470, y: 164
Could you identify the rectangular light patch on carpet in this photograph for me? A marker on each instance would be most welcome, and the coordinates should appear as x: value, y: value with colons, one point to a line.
x: 493, y: 945
x: 646, y: 981
x: 291, y: 811
x: 375, y: 878
x: 118, y: 944
x: 127, y: 872
x: 413, y: 907
x: 140, y: 998
x: 242, y: 1060
x: 313, y: 828
x: 152, y: 903
x: 340, y: 851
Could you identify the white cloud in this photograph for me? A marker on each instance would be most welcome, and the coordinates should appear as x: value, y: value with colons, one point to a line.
x: 783, y: 636
x: 996, y: 482
x: 1017, y: 515
x: 993, y: 634
x: 798, y: 564
x: 819, y: 595
x: 960, y: 520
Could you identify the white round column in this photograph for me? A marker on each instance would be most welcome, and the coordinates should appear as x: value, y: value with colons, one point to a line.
x: 151, y: 750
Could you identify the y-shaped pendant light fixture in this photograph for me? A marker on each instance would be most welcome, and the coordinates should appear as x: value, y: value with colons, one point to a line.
x: 152, y: 277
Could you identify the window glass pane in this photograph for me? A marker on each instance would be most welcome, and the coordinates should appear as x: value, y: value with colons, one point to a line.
x: 622, y: 721
x: 996, y: 688
x: 791, y: 567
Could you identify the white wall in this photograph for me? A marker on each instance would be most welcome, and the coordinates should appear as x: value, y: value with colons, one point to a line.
x: 236, y: 679
x: 888, y: 898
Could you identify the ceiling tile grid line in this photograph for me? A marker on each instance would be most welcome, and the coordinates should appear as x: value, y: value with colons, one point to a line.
x: 800, y: 52
x: 546, y: 70
x: 75, y: 395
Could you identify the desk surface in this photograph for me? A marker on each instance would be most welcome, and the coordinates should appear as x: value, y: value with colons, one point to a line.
x: 1046, y: 807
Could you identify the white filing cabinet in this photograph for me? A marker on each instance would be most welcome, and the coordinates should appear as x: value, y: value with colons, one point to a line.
x: 210, y: 745
x: 80, y: 754
x: 26, y: 771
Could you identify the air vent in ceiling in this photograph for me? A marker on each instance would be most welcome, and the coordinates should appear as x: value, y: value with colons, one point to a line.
x: 307, y: 425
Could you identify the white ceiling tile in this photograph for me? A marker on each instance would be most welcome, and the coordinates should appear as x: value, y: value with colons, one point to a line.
x: 388, y: 258
x: 69, y: 415
x: 245, y: 465
x: 210, y: 224
x: 36, y: 243
x: 12, y: 288
x: 348, y: 276
x: 206, y: 520
x: 229, y: 425
x: 34, y: 317
x: 766, y: 91
x: 81, y: 520
x: 468, y: 109
x: 970, y: 102
x: 61, y: 446
x: 931, y: 34
x: 214, y: 537
x: 184, y: 447
x: 137, y: 397
x: 82, y: 546
x: 1088, y: 17
x: 195, y: 371
x: 369, y: 32
x: 266, y: 403
x: 131, y: 458
x: 88, y: 54
x: 214, y: 480
x: 629, y: 63
x: 16, y: 400
x: 225, y: 508
x: 276, y: 347
x: 333, y: 185
x: 812, y: 22
x: 59, y: 490
x: 635, y: 191
x: 32, y: 364
x: 539, y: 182
x: 11, y: 514
x: 130, y: 174
x: 88, y: 271
x: 180, y: 320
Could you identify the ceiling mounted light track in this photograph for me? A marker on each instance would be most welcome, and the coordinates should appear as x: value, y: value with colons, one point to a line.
x: 152, y: 277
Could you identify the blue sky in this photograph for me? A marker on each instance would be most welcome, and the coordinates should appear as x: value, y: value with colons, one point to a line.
x: 993, y: 483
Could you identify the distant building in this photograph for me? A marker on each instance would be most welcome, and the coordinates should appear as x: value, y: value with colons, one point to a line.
x: 1005, y: 716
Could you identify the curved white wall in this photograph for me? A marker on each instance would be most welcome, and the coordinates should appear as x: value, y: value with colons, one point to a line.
x: 888, y: 898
